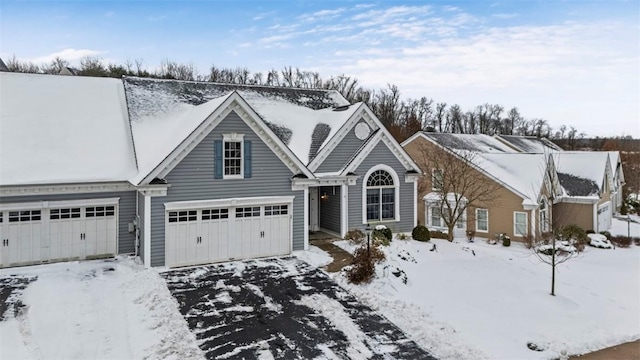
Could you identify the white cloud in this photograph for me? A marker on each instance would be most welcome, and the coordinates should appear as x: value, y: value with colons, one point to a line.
x: 71, y: 55
x: 505, y: 16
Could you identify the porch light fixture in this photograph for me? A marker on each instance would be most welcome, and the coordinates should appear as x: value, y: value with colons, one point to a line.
x: 324, y: 196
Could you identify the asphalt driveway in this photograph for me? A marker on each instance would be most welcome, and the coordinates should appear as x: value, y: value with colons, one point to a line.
x: 284, y: 309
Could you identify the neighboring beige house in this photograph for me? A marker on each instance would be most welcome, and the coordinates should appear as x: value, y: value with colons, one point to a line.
x: 587, y: 181
x: 538, y: 186
x: 519, y: 207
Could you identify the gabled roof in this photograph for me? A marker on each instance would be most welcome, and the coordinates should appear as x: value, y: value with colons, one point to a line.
x: 529, y: 144
x: 198, y: 121
x: 303, y: 119
x: 63, y: 129
x: 591, y: 166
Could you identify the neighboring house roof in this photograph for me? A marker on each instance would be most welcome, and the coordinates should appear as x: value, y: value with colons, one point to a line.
x: 529, y: 144
x: 467, y: 142
x: 303, y: 119
x: 3, y: 66
x: 588, y: 165
x: 522, y: 173
x: 63, y: 129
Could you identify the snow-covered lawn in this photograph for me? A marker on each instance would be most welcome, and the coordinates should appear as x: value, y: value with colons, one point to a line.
x: 95, y: 310
x: 475, y: 300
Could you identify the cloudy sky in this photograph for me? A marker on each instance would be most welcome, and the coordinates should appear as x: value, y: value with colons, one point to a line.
x: 569, y: 62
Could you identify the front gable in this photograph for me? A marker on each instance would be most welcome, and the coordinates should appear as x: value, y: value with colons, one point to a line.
x: 353, y: 142
x: 236, y: 105
x: 343, y: 142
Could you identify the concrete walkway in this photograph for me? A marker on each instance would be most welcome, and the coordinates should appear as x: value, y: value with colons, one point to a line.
x: 626, y: 351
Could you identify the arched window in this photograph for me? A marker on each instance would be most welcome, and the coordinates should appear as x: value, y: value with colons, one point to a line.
x: 380, y: 196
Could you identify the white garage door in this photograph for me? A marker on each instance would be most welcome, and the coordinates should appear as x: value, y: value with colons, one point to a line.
x: 57, y: 231
x: 206, y: 235
x: 604, y: 216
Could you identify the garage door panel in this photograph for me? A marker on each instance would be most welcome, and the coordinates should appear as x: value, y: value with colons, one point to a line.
x: 229, y: 233
x: 58, y: 233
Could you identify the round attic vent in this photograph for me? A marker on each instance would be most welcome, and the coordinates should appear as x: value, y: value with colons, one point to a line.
x: 362, y: 130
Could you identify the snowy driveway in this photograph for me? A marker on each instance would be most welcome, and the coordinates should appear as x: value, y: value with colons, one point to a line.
x: 282, y: 308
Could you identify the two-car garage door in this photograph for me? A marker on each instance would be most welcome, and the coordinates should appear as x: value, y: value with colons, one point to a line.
x: 220, y: 233
x: 56, y: 231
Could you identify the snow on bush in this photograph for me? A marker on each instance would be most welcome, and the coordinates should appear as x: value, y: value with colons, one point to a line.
x: 599, y: 241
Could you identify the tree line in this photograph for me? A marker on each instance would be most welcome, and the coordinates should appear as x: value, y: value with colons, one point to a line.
x: 403, y: 117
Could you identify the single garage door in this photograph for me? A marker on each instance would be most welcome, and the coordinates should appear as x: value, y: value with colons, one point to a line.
x: 604, y: 216
x: 57, y: 231
x: 207, y: 235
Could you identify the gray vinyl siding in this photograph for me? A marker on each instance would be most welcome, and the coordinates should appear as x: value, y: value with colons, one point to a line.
x: 382, y: 155
x: 330, y: 208
x: 141, y: 225
x: 341, y: 153
x: 193, y: 179
x: 126, y: 211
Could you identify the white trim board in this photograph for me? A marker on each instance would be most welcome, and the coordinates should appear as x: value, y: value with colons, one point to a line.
x: 230, y: 202
x: 56, y: 189
x: 61, y: 203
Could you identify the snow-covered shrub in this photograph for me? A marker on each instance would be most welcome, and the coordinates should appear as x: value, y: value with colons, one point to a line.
x: 402, y: 236
x: 574, y: 232
x: 355, y: 236
x: 436, y: 234
x: 599, y: 241
x: 362, y: 269
x: 506, y: 241
x: 382, y: 234
x: 420, y: 233
x: 562, y: 247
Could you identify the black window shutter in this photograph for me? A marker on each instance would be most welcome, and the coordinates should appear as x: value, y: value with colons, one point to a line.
x: 247, y: 158
x: 217, y: 151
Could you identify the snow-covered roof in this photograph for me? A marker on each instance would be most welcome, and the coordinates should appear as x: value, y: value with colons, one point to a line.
x: 529, y: 144
x: 157, y: 136
x: 303, y: 119
x: 590, y: 166
x: 523, y: 173
x: 63, y: 129
x: 469, y: 142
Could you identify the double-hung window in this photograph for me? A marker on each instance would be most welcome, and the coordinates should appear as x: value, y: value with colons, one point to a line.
x: 482, y: 220
x: 519, y: 223
x: 437, y: 178
x: 436, y: 217
x: 232, y: 157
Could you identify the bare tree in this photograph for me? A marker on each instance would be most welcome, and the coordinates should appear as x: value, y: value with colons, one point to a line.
x: 456, y: 182
x: 558, y: 245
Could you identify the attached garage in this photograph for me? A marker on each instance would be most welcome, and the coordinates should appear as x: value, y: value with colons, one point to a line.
x: 604, y: 216
x: 34, y: 233
x: 203, y: 232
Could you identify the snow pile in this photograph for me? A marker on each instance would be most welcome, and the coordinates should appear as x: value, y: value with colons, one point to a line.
x: 599, y: 241
x: 314, y: 256
x: 473, y: 300
x: 96, y: 309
